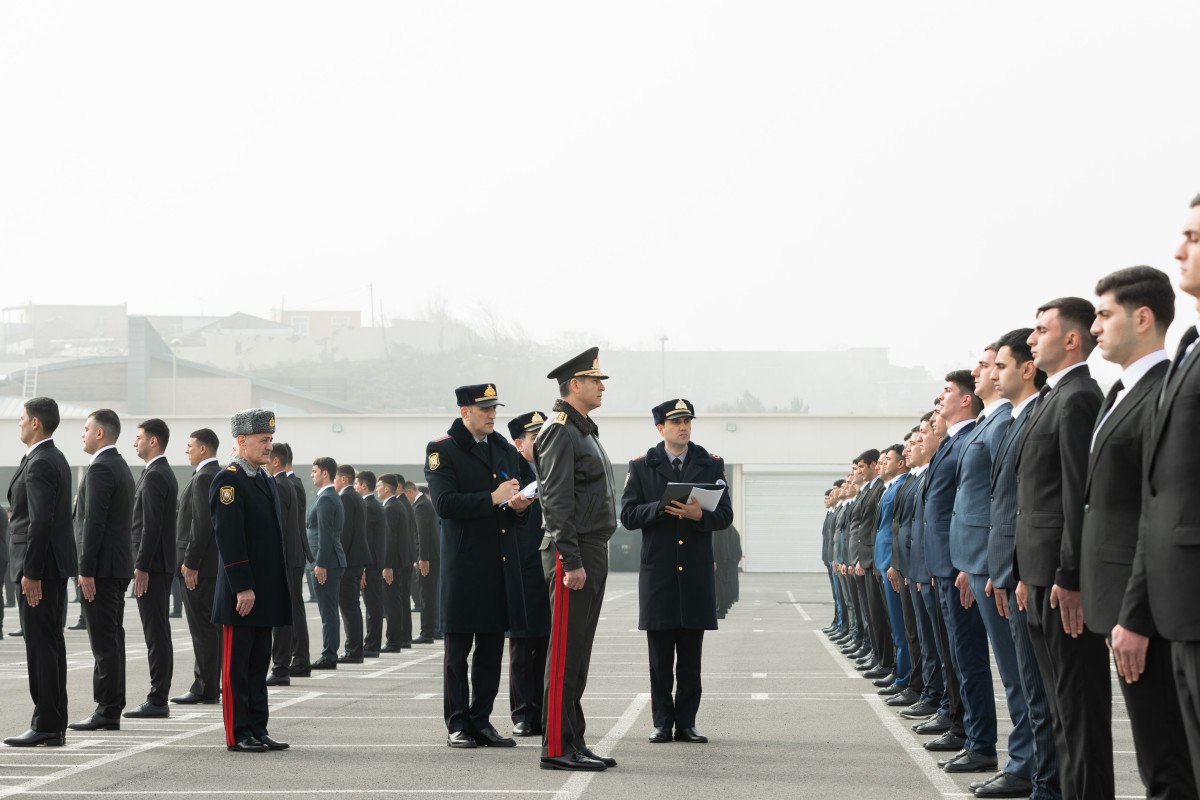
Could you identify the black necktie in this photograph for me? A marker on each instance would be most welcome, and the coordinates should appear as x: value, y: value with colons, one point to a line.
x: 677, y: 465
x: 1111, y: 399
x: 1189, y: 336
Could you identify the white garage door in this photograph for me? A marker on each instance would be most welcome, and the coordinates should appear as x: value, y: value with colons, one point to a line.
x: 783, y: 513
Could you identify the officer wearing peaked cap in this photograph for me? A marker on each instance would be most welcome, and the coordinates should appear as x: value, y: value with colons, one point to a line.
x: 251, y: 595
x: 579, y: 508
x: 471, y: 476
x: 676, y: 583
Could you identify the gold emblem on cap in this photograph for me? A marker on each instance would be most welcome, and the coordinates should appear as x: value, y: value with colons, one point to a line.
x: 536, y: 419
x: 435, y: 461
x: 271, y: 423
x: 681, y: 406
x: 490, y: 391
x: 226, y: 495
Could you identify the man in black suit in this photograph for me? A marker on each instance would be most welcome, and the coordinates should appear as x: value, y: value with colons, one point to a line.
x: 301, y: 651
x: 429, y: 559
x: 155, y: 503
x: 397, y: 562
x: 324, y: 523
x: 358, y: 558
x: 865, y: 522
x: 1051, y: 469
x: 42, y: 556
x: 1167, y: 559
x: 252, y: 588
x: 198, y: 567
x: 376, y: 525
x: 5, y: 593
x: 302, y: 504
x: 1134, y: 310
x: 103, y: 517
x: 290, y: 642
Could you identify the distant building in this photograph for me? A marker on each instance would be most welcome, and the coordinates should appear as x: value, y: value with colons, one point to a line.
x: 318, y: 324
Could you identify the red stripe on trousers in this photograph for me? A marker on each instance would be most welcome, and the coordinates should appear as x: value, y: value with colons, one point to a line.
x: 227, y: 694
x: 558, y: 663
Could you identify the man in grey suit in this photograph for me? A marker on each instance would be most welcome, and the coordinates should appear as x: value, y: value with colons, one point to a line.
x: 324, y: 526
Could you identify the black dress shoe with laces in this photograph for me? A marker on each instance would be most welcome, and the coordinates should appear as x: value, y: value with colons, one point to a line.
x: 970, y: 761
x: 97, y: 722
x: 490, y: 737
x: 891, y: 691
x: 460, y: 739
x: 32, y: 738
x: 573, y: 761
x: 324, y: 663
x: 526, y: 729
x: 660, y: 735
x: 350, y: 660
x: 689, y: 735
x: 273, y: 744
x: 608, y: 763
x: 1004, y: 785
x: 148, y: 710
x: 903, y: 700
x: 247, y: 745
x: 279, y: 680
x: 948, y: 742
x: 423, y: 640
x: 190, y: 698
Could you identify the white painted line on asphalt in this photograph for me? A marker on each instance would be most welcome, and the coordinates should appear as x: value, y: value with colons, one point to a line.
x: 758, y: 674
x: 940, y: 780
x: 838, y: 657
x: 178, y: 792
x: 803, y: 614
x: 575, y: 786
x: 610, y: 598
x: 424, y: 696
x: 398, y: 667
x: 758, y: 695
x: 120, y: 755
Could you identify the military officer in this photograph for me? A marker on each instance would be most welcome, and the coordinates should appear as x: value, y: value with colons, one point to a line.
x: 471, y: 481
x: 251, y: 595
x: 579, y: 510
x: 528, y: 602
x: 676, y: 582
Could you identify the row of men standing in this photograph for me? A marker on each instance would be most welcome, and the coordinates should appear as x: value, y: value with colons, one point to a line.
x: 1032, y: 513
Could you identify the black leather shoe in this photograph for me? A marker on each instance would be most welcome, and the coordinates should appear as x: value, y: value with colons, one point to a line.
x: 32, y: 738
x: 279, y: 680
x: 948, y: 742
x: 248, y: 745
x: 81, y: 625
x: 904, y: 699
x: 147, y: 711
x: 573, y: 761
x: 324, y: 663
x: 17, y: 632
x: 301, y: 673
x: 973, y: 785
x: 608, y: 763
x: 1005, y: 785
x: 349, y: 660
x: 273, y: 744
x: 175, y: 615
x: 370, y: 654
x: 460, y: 739
x: 891, y: 691
x: 919, y: 710
x: 423, y: 640
x: 96, y: 722
x: 392, y: 648
x: 490, y: 737
x: 660, y: 735
x: 406, y: 645
x: 971, y: 761
x: 190, y: 699
x: 526, y: 729
x: 868, y: 666
x: 689, y: 735
x: 937, y: 725
x: 880, y: 674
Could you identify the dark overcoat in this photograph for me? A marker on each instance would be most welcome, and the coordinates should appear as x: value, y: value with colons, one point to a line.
x: 474, y: 573
x: 528, y: 601
x: 676, y: 584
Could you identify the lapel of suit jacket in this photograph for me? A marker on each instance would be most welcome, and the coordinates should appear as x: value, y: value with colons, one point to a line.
x: 1168, y: 395
x: 1144, y: 391
x: 16, y: 476
x: 1010, y: 439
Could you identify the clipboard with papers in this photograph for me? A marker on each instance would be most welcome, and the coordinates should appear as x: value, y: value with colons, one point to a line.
x: 707, y: 494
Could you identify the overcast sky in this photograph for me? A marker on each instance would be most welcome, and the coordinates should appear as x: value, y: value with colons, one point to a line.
x: 739, y: 175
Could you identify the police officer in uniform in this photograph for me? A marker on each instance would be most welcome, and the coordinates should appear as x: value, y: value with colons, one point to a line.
x: 471, y: 482
x: 676, y: 582
x: 251, y: 594
x: 528, y: 603
x: 580, y: 514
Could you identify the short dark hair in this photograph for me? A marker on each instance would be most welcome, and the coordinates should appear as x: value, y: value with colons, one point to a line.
x: 367, y: 477
x: 157, y: 429
x: 1135, y: 287
x: 1195, y: 201
x: 828, y: 492
x: 346, y: 471
x: 390, y: 480
x: 1017, y: 342
x: 107, y: 419
x: 208, y: 438
x: 45, y: 410
x: 279, y: 451
x: 410, y: 485
x: 867, y: 456
x: 838, y: 483
x: 564, y: 388
x: 327, y: 465
x: 1076, y: 314
x: 898, y: 449
x: 928, y: 415
x: 290, y: 454
x: 423, y: 489
x: 399, y: 479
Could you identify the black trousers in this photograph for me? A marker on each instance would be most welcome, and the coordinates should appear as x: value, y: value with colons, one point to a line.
x: 467, y: 711
x: 527, y: 678
x: 933, y: 604
x: 247, y: 657
x: 574, y: 617
x: 431, y: 623
x: 1078, y: 685
x: 352, y: 618
x: 881, y: 629
x: 916, y: 681
x: 327, y: 607
x: 397, y: 608
x: 177, y: 590
x: 373, y: 604
x: 675, y: 657
x: 154, y: 607
x: 1159, y: 736
x: 289, y: 649
x: 206, y: 639
x: 105, y: 617
x: 46, y: 655
x: 1185, y: 659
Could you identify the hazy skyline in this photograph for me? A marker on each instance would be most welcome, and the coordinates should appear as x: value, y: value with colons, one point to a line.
x: 757, y: 176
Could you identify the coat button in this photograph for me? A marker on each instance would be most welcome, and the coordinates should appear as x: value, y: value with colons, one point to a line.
x: 493, y: 475
x: 681, y: 541
x: 681, y: 569
x: 1087, y: 507
x: 504, y: 530
x: 504, y: 558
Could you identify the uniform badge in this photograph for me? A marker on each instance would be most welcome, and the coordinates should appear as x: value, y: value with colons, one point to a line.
x: 271, y: 423
x: 226, y: 495
x: 560, y: 418
x: 490, y: 391
x: 435, y: 460
x: 536, y: 419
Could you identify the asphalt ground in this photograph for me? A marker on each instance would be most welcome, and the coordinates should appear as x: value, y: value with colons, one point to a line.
x: 785, y: 713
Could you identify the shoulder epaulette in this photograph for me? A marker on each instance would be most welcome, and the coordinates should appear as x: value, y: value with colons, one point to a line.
x: 559, y: 419
x: 714, y: 456
x: 231, y: 468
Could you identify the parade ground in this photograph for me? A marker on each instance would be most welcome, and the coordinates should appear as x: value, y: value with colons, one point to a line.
x: 786, y: 715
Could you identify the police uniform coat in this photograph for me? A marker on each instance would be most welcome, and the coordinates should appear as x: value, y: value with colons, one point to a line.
x: 528, y: 603
x: 676, y: 583
x: 248, y: 525
x: 474, y: 574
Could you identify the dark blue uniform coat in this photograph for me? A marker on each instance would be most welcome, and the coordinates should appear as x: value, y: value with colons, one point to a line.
x: 528, y: 601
